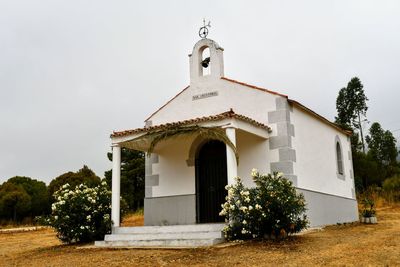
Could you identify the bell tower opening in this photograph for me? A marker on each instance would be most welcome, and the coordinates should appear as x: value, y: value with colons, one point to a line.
x: 205, y: 62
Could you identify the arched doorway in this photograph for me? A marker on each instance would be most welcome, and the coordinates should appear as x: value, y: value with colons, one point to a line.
x: 211, y: 179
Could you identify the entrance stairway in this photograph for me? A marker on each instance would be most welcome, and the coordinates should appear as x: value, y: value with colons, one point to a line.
x: 194, y: 235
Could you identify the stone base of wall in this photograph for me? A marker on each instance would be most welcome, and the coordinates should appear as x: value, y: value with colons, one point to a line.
x: 325, y: 209
x: 171, y: 210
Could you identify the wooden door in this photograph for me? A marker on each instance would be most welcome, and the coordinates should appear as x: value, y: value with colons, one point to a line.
x: 211, y: 179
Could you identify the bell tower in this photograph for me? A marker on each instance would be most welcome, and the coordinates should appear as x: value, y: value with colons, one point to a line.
x: 207, y: 59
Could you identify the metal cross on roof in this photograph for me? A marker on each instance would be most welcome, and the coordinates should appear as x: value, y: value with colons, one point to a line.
x: 203, y: 32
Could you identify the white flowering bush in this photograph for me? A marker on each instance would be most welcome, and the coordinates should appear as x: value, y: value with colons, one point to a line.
x: 272, y: 209
x: 81, y: 214
x: 241, y: 211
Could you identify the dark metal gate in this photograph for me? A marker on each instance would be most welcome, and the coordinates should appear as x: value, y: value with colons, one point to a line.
x: 211, y: 179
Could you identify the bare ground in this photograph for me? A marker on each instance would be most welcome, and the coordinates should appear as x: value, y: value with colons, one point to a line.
x: 340, y: 245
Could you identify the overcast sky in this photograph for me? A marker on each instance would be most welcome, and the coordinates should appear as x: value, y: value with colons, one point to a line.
x: 71, y: 72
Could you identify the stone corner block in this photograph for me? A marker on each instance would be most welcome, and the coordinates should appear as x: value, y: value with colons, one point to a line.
x: 287, y: 154
x: 285, y: 128
x: 148, y: 191
x: 281, y: 103
x: 153, y: 158
x: 286, y: 167
x: 152, y: 180
x: 282, y: 115
x: 280, y: 141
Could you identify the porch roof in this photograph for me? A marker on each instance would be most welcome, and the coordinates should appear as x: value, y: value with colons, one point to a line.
x: 218, y: 117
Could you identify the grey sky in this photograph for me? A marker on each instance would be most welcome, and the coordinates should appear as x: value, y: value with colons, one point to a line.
x: 73, y: 71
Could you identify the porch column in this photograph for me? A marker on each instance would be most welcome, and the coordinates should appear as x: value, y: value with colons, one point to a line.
x: 230, y: 156
x: 115, y: 185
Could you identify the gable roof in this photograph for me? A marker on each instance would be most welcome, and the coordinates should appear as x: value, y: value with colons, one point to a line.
x: 291, y: 101
x: 254, y: 87
x: 218, y: 117
x: 169, y: 101
x: 319, y: 117
x: 222, y: 78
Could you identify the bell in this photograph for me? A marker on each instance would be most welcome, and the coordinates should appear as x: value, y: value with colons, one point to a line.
x: 205, y: 62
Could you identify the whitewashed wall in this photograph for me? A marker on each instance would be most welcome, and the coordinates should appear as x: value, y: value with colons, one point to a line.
x: 242, y: 99
x: 316, y: 165
x: 175, y: 177
x: 253, y: 153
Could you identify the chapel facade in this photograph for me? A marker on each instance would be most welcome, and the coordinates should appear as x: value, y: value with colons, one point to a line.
x: 186, y: 175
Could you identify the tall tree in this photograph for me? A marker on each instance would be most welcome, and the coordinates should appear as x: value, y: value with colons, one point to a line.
x: 351, y: 106
x: 132, y: 177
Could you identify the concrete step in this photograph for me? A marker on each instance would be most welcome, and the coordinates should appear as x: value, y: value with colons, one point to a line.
x: 165, y: 236
x: 194, y: 235
x: 161, y: 243
x: 170, y: 228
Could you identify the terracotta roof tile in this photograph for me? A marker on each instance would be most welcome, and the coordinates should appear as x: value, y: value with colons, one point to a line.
x: 228, y: 114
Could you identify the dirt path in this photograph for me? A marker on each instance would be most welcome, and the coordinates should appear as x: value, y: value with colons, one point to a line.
x: 350, y: 245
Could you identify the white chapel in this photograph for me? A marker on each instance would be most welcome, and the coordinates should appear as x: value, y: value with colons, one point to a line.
x: 186, y: 175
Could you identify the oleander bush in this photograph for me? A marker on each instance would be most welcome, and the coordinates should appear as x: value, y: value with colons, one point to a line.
x: 272, y: 209
x: 82, y: 213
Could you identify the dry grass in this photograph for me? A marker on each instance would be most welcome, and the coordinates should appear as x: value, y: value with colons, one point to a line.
x: 133, y: 219
x: 26, y: 222
x: 380, y: 197
x: 340, y: 245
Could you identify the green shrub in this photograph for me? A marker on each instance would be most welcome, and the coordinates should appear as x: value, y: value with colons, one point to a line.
x: 392, y: 184
x: 272, y: 209
x: 391, y: 187
x: 81, y: 214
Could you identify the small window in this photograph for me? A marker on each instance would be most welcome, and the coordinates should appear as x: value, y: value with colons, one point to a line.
x: 339, y: 158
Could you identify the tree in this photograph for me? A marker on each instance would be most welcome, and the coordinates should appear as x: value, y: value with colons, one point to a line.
x: 83, y: 176
x: 382, y: 149
x: 351, y: 105
x: 14, y: 202
x: 132, y: 177
x: 356, y: 145
x: 37, y: 191
x: 382, y: 145
x: 366, y: 171
x: 345, y: 114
